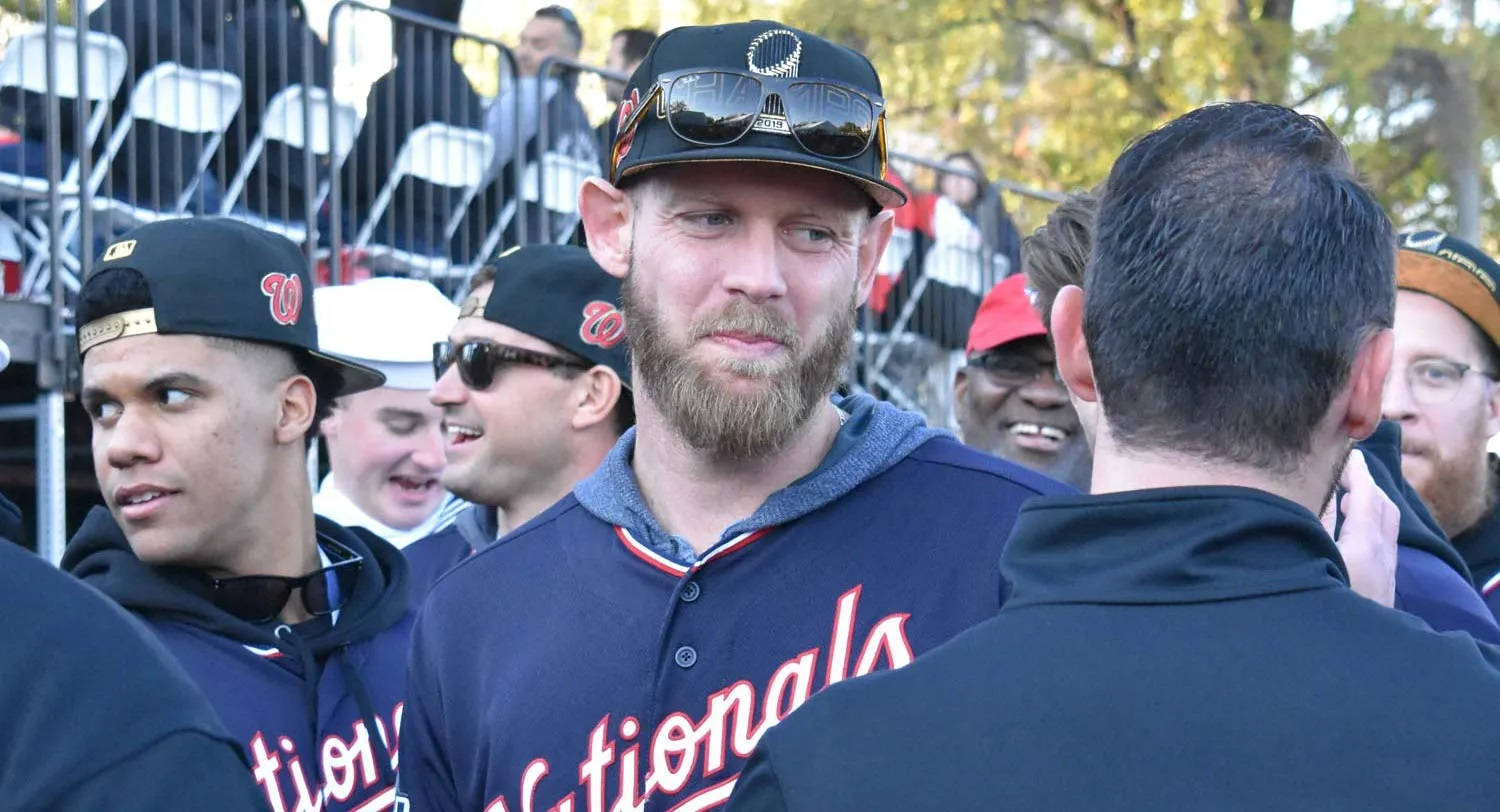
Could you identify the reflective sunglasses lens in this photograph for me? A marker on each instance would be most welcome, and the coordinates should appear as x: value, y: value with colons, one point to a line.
x: 476, y: 365
x: 442, y: 358
x: 252, y: 598
x: 829, y: 120
x: 713, y: 108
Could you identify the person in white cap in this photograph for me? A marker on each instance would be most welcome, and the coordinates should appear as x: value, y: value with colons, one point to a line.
x: 385, y: 445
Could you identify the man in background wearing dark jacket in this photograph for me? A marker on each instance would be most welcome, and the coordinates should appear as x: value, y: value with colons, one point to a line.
x: 1186, y: 636
x: 1443, y: 391
x: 1432, y: 581
x: 203, y: 381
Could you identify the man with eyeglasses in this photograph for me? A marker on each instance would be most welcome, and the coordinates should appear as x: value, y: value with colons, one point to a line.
x: 204, y: 382
x: 754, y: 539
x: 1008, y: 399
x: 534, y: 388
x: 1442, y: 391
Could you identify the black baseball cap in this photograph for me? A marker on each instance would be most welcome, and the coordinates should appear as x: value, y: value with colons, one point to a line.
x: 558, y: 293
x: 1442, y: 265
x: 760, y: 47
x: 214, y: 276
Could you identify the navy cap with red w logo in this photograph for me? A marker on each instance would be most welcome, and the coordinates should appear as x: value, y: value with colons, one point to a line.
x: 558, y: 293
x: 215, y: 276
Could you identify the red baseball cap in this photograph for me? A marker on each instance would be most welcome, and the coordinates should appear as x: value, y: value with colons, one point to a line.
x: 1005, y: 315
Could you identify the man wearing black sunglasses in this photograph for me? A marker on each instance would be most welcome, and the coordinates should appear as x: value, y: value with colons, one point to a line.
x: 534, y: 384
x: 754, y: 539
x: 203, y: 381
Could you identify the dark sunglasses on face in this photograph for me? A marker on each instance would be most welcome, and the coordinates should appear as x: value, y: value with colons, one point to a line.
x: 1014, y: 370
x: 480, y: 361
x: 260, y: 598
x: 715, y: 108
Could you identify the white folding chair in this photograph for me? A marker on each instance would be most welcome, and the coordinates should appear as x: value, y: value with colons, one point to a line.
x: 284, y: 121
x: 442, y: 155
x: 171, y: 96
x: 24, y: 67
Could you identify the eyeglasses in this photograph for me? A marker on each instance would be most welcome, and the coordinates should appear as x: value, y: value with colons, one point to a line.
x: 1007, y: 369
x: 715, y: 108
x: 1435, y: 381
x: 260, y: 598
x: 480, y: 361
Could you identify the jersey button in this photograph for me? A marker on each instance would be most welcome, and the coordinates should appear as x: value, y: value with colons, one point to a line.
x: 691, y: 591
x: 686, y: 657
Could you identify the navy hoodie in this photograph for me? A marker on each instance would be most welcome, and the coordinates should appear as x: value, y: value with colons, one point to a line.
x: 95, y: 713
x: 1193, y: 648
x: 592, y: 660
x: 1432, y: 580
x: 326, y: 704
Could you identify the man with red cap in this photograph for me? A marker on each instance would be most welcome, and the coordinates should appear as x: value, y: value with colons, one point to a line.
x: 1008, y: 399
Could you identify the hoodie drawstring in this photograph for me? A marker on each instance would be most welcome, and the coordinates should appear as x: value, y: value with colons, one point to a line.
x: 310, y: 676
x: 384, y: 765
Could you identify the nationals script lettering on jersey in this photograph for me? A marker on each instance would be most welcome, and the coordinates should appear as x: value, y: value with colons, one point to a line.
x: 733, y: 720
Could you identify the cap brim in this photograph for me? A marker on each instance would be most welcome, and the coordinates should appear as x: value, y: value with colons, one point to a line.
x: 884, y: 194
x: 1424, y: 273
x: 353, y: 377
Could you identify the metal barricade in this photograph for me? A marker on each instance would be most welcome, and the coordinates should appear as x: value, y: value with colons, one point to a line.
x: 569, y: 148
x: 426, y: 189
x: 951, y: 245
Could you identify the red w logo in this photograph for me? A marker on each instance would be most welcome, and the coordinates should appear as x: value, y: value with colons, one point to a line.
x: 285, y: 291
x: 603, y: 325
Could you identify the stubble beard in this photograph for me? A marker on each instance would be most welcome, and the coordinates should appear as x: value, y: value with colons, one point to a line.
x: 734, y: 425
x: 1459, y: 491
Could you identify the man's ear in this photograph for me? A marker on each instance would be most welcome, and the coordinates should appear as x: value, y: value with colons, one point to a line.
x: 296, y: 405
x: 1073, y: 359
x: 606, y: 212
x: 872, y: 244
x: 594, y: 395
x: 1372, y: 362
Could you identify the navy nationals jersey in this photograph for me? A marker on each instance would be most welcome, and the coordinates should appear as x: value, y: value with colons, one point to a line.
x: 317, y: 708
x: 573, y: 666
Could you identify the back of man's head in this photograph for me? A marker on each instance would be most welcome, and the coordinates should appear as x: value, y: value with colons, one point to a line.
x: 1237, y: 267
x: 634, y: 43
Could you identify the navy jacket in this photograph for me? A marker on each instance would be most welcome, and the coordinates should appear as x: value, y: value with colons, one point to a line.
x: 1193, y: 648
x: 572, y: 660
x: 96, y: 715
x: 1432, y: 580
x: 1480, y: 546
x: 309, y: 707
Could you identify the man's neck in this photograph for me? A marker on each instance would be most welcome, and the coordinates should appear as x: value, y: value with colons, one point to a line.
x: 586, y: 457
x: 282, y: 538
x: 696, y: 495
x: 1125, y: 469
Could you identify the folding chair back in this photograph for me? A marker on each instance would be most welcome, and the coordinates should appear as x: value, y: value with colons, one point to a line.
x: 24, y: 67
x: 285, y: 120
x: 443, y: 155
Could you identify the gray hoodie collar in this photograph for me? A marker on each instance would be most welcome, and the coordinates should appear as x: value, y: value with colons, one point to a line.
x: 876, y: 436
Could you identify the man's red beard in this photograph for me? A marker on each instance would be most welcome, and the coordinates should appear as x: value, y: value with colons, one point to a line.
x: 734, y: 425
x: 1458, y: 489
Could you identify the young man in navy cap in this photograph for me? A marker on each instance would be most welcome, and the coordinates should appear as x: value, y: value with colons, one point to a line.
x: 534, y: 388
x: 96, y: 713
x: 203, y: 380
x: 1185, y: 637
x: 753, y: 540
x: 1443, y: 391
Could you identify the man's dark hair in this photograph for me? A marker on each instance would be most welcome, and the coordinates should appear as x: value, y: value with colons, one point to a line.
x: 570, y: 22
x: 116, y: 290
x: 637, y: 43
x: 1055, y: 255
x: 1237, y: 267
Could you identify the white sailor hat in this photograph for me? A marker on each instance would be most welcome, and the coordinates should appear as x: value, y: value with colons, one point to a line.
x: 386, y: 323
